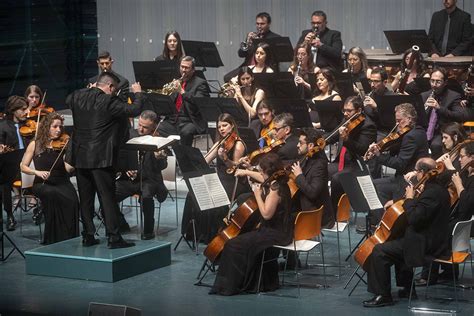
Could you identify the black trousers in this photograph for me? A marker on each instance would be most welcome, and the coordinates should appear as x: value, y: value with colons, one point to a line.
x: 102, y: 182
x: 378, y: 268
x: 390, y: 188
x: 185, y: 129
x: 126, y: 188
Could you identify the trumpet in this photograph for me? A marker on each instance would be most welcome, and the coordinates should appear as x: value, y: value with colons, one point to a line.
x: 227, y: 88
x: 247, y: 43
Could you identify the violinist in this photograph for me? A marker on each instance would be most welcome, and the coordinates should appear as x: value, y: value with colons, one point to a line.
x: 240, y: 260
x: 11, y: 140
x: 402, y: 158
x: 263, y: 127
x: 451, y: 135
x: 284, y: 131
x: 228, y: 149
x: 424, y: 238
x: 354, y: 139
x: 152, y: 181
x: 52, y: 186
x: 34, y: 95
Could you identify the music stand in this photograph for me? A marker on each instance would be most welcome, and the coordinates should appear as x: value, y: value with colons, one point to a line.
x: 401, y: 40
x: 280, y: 48
x: 330, y: 113
x: 211, y: 108
x: 154, y: 74
x: 161, y: 104
x: 386, y: 108
x: 296, y: 107
x: 344, y: 85
x: 423, y: 84
x: 205, y: 53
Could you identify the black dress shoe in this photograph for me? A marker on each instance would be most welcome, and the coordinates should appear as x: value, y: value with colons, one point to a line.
x: 124, y: 228
x: 119, y: 244
x: 405, y: 293
x: 423, y: 282
x: 11, y: 223
x: 148, y: 236
x: 378, y: 301
x: 88, y: 241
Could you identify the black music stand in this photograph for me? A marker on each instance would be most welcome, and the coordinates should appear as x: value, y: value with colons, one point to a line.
x: 296, y: 107
x: 401, y: 40
x: 205, y: 53
x: 211, y: 108
x: 344, y: 85
x: 11, y: 156
x: 280, y: 48
x: 277, y: 85
x: 330, y: 113
x: 386, y: 109
x: 154, y: 74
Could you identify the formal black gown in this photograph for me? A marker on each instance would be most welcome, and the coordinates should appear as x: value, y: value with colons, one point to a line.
x: 240, y: 260
x: 58, y: 199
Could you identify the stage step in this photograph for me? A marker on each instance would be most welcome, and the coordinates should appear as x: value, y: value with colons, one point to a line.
x: 69, y: 259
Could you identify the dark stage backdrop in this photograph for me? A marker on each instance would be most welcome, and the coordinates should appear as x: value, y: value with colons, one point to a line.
x: 49, y: 43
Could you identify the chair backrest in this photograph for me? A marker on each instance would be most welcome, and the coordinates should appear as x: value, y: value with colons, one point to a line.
x: 462, y: 235
x: 343, y: 209
x: 169, y: 173
x: 308, y: 224
x: 27, y: 179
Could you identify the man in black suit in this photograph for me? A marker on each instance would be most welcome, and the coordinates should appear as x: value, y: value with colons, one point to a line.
x: 442, y: 106
x: 351, y: 147
x: 12, y: 147
x: 450, y: 31
x: 187, y: 120
x: 326, y: 44
x: 427, y: 230
x: 152, y: 180
x: 311, y: 177
x: 402, y: 158
x: 265, y: 114
x: 97, y: 114
x: 283, y: 130
x: 105, y: 62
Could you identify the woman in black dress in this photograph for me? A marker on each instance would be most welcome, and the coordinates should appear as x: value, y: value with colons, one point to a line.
x: 303, y: 70
x: 239, y: 262
x: 172, y: 50
x: 52, y: 185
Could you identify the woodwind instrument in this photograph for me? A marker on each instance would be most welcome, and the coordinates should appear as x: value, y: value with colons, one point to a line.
x: 297, y: 72
x: 406, y: 72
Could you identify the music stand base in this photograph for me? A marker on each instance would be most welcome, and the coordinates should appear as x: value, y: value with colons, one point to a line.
x: 3, y: 258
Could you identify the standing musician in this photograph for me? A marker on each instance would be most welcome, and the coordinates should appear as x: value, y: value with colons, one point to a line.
x: 247, y: 49
x: 442, y: 105
x: 450, y: 31
x: 424, y: 237
x: 326, y: 44
x: 97, y: 114
x: 358, y: 66
x: 11, y: 140
x: 353, y: 143
x: 302, y: 68
x: 246, y: 93
x: 152, y: 180
x: 263, y: 127
x: 187, y: 120
x: 52, y: 185
x: 240, y: 260
x: 173, y: 49
x: 413, y: 146
x: 416, y: 71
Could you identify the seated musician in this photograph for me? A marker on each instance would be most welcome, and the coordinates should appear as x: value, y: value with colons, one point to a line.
x: 358, y: 64
x: 263, y: 127
x: 351, y: 147
x: 416, y: 71
x: 424, y: 237
x: 59, y: 201
x: 240, y: 260
x: 188, y: 120
x: 283, y: 130
x: 11, y: 140
x: 173, y: 49
x: 152, y: 181
x: 378, y: 85
x: 263, y: 60
x: 402, y: 158
x: 325, y: 90
x: 34, y: 96
x: 302, y: 68
x: 442, y: 106
x: 246, y: 93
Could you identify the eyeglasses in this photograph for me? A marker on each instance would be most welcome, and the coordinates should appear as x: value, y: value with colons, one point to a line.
x: 277, y: 129
x: 462, y: 156
x: 434, y: 81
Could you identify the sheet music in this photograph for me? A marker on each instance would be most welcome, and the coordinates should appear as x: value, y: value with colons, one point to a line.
x: 368, y: 189
x: 159, y: 142
x: 201, y: 193
x: 216, y: 190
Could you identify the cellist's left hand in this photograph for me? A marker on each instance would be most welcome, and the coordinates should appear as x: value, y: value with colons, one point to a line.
x: 409, y: 192
x: 296, y: 169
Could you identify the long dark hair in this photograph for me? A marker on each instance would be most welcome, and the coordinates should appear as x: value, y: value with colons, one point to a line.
x: 226, y: 117
x: 43, y: 137
x: 454, y: 129
x: 179, y: 47
x: 418, y: 58
x: 268, y: 53
x: 246, y: 70
x: 307, y: 49
x: 329, y: 75
x: 35, y: 89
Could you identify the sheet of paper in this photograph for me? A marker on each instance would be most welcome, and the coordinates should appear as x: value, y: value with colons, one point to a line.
x: 159, y: 142
x: 368, y: 189
x: 201, y: 192
x: 216, y: 190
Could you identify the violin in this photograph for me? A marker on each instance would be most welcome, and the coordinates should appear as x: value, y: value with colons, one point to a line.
x: 388, y: 141
x: 61, y: 142
x: 454, y: 153
x: 266, y: 133
x: 40, y: 110
x: 230, y: 141
x: 29, y: 129
x: 256, y: 155
x: 352, y: 122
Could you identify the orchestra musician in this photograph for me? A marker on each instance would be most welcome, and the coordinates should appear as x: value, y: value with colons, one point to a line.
x: 358, y: 64
x: 228, y: 149
x: 52, y: 185
x: 302, y: 68
x: 97, y: 114
x: 173, y: 49
x: 450, y: 31
x: 402, y: 158
x: 263, y: 60
x: 10, y: 140
x: 188, y: 120
x: 442, y: 106
x: 240, y: 260
x: 263, y: 127
x: 283, y: 130
x: 246, y: 93
x: 325, y: 90
x: 351, y: 146
x: 424, y: 237
x: 417, y: 70
x: 33, y: 95
x: 326, y: 44
x: 152, y: 181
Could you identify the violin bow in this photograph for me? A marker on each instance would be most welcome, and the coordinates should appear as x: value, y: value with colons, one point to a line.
x: 57, y: 159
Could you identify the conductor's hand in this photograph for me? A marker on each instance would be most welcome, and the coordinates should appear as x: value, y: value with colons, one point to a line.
x: 136, y: 87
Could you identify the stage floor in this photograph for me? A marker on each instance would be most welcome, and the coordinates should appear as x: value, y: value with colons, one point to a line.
x: 171, y: 291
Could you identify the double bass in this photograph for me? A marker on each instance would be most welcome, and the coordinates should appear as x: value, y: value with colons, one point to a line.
x: 393, y: 222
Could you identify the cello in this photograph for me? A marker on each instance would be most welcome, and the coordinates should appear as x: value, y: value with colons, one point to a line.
x: 245, y: 218
x: 393, y: 222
